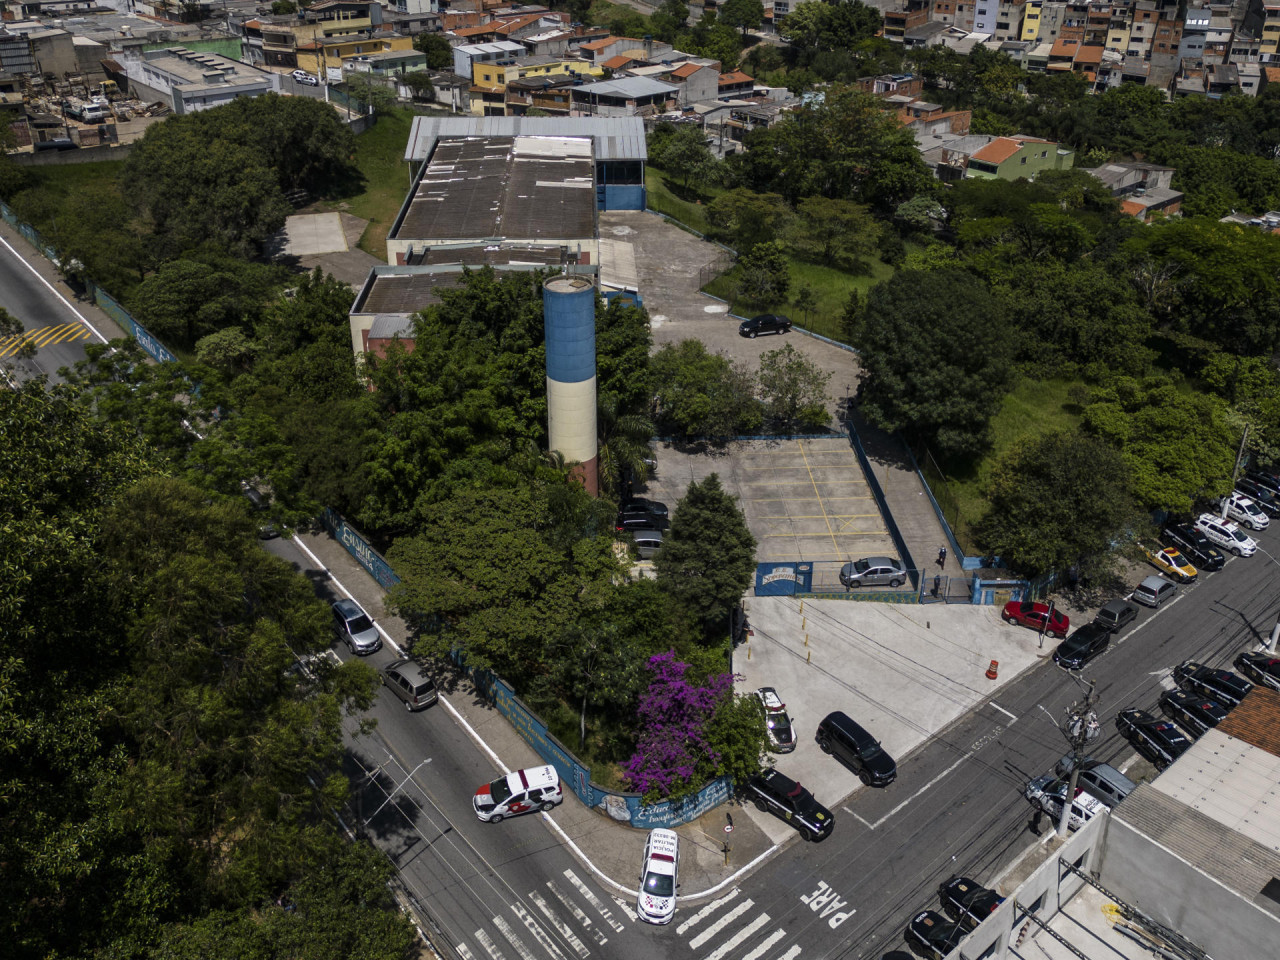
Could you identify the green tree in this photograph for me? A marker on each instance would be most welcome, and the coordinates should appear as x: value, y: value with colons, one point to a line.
x: 707, y: 559
x: 701, y: 394
x: 1058, y: 501
x: 736, y: 732
x: 744, y: 219
x: 745, y: 15
x: 804, y: 300
x: 834, y: 232
x: 623, y: 445
x: 420, y: 82
x: 793, y: 389
x: 684, y: 154
x: 764, y: 276
x: 370, y: 92
x: 436, y: 47
x: 916, y: 376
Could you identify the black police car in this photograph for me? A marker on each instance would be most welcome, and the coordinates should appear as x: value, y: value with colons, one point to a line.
x: 1194, y: 544
x: 1221, y: 685
x: 1157, y: 740
x: 1261, y: 668
x: 1195, y: 714
x: 783, y: 797
x: 968, y: 903
x: 932, y: 935
x: 1082, y: 646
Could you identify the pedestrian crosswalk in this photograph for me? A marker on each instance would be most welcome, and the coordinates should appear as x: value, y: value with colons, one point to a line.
x: 567, y: 919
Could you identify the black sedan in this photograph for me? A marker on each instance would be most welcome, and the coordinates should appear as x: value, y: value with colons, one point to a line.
x: 654, y: 508
x: 966, y: 902
x: 1221, y: 685
x: 1193, y: 713
x: 783, y: 797
x: 1082, y: 646
x: 1261, y: 668
x: 1157, y: 740
x: 932, y: 935
x: 765, y: 323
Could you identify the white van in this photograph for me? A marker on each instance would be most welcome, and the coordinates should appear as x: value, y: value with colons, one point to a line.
x: 534, y: 788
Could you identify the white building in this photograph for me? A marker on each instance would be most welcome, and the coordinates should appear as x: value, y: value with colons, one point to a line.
x: 188, y: 81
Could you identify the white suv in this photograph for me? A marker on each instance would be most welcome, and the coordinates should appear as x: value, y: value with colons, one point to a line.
x: 1226, y: 535
x: 1244, y: 510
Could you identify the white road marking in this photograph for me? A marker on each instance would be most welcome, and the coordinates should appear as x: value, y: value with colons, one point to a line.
x: 595, y: 901
x: 52, y: 289
x: 791, y: 954
x: 1011, y: 716
x: 626, y: 908
x: 532, y: 925
x: 923, y: 789
x: 706, y: 911
x: 490, y: 947
x: 737, y: 938
x: 720, y: 924
x: 577, y: 913
x: 758, y: 952
x: 562, y: 928
x: 867, y: 824
x: 505, y: 929
x: 463, y: 951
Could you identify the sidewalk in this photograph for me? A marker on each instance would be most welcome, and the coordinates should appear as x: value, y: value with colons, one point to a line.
x: 611, y: 851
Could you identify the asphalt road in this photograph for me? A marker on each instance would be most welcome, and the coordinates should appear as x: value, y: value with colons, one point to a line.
x: 50, y: 320
x: 511, y: 891
x: 957, y: 805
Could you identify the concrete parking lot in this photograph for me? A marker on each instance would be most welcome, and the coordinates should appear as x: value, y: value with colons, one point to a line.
x: 903, y: 672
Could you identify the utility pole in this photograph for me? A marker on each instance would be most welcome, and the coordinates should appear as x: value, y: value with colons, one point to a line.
x: 1048, y: 617
x: 1080, y: 727
x: 1235, y: 470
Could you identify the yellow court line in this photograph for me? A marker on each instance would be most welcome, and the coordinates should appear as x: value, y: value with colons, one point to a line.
x: 816, y: 516
x: 800, y: 444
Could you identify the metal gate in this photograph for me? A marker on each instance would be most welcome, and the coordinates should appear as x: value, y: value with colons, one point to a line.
x: 941, y: 588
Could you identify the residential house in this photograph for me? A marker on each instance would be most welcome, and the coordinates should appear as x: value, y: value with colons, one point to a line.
x: 913, y: 13
x: 891, y: 83
x: 388, y: 63
x: 466, y: 56
x: 490, y: 79
x: 698, y: 79
x: 324, y: 56
x: 624, y: 97
x: 1000, y: 19
x: 1143, y: 188
x: 598, y: 51
x: 1270, y: 47
x: 735, y: 84
x: 187, y: 81
x: 1017, y: 157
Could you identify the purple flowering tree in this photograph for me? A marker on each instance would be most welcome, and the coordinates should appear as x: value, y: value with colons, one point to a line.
x: 673, y: 753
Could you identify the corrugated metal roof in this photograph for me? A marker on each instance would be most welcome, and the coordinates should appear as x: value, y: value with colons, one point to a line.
x: 616, y: 138
x: 630, y: 87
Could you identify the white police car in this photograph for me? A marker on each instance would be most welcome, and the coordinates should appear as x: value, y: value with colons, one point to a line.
x: 656, y: 899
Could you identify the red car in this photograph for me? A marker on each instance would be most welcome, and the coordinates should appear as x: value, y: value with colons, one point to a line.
x: 1036, y: 616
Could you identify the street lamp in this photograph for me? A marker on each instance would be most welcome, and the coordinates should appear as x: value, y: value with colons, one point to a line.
x: 1080, y: 727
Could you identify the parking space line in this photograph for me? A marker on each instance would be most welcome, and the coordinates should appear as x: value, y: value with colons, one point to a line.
x: 813, y: 481
x: 1011, y: 716
x: 867, y: 824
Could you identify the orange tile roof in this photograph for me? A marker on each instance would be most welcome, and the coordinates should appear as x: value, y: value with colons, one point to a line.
x: 1064, y: 48
x: 1133, y: 208
x: 686, y: 70
x: 998, y: 150
x: 1256, y: 721
x: 510, y: 26
x: 1272, y: 74
x: 620, y: 61
x: 253, y: 23
x: 1089, y: 54
x: 597, y: 45
x: 736, y: 77
x: 473, y: 31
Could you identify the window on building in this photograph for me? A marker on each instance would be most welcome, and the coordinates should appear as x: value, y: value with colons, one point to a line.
x: 1023, y: 161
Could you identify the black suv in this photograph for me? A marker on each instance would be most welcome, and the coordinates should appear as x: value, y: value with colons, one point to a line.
x: 966, y: 902
x: 1157, y: 740
x: 1082, y: 646
x: 1194, y: 544
x: 1221, y: 685
x: 783, y: 797
x: 1195, y: 714
x: 639, y: 520
x: 1261, y: 668
x: 857, y: 749
x: 1266, y: 478
x: 654, y: 508
x: 765, y: 323
x: 932, y: 935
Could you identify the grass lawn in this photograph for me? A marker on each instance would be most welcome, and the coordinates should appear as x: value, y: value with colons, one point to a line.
x: 668, y: 196
x: 1033, y: 408
x: 384, y: 180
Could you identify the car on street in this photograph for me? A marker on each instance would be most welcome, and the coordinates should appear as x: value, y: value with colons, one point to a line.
x: 1194, y: 545
x: 1036, y: 615
x: 1260, y: 668
x: 1226, y: 534
x: 305, y: 78
x: 1171, y: 562
x: 654, y: 508
x: 1116, y: 614
x: 1193, y: 713
x: 1099, y: 779
x: 1244, y: 511
x: 659, y: 877
x: 1157, y: 740
x: 1084, y: 807
x: 873, y: 572
x: 648, y: 542
x: 639, y: 519
x: 410, y: 681
x: 522, y: 791
x: 764, y: 323
x: 355, y: 628
x: 782, y: 736
x: 1221, y: 685
x: 1082, y: 646
x: 933, y: 936
x: 1267, y: 500
x: 778, y: 794
x: 855, y: 747
x: 1269, y: 479
x: 967, y: 902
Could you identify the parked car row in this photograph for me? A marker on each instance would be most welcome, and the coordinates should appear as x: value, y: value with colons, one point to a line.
x: 966, y: 902
x: 646, y: 521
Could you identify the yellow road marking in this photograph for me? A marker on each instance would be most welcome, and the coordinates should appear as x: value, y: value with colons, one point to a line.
x: 43, y: 336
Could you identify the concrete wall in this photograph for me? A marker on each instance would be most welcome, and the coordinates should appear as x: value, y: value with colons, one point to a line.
x: 1175, y: 892
x: 82, y: 155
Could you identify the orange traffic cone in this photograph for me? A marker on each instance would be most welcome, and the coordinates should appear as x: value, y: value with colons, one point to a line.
x: 991, y: 670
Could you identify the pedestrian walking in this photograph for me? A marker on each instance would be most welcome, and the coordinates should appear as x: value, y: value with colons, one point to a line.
x: 937, y: 584
x: 942, y: 557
